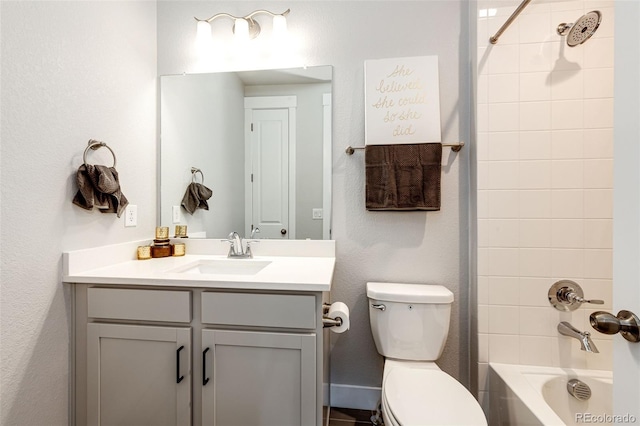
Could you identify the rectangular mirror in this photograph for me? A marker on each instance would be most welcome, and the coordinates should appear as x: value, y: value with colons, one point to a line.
x: 261, y: 142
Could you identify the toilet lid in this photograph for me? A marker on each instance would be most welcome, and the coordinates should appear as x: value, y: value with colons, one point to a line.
x: 430, y: 397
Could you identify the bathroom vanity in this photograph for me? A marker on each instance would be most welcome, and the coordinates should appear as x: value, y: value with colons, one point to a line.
x: 200, y: 339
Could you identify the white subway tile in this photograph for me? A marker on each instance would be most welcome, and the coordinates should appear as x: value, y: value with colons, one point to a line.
x: 567, y: 85
x: 503, y: 175
x: 483, y: 89
x: 503, y: 232
x: 503, y: 57
x: 483, y: 233
x: 503, y: 204
x: 503, y: 320
x: 598, y: 174
x: 566, y: 115
x: 535, y: 204
x: 483, y: 290
x: 598, y: 83
x: 508, y: 38
x: 482, y: 146
x: 483, y: 203
x: 598, y: 264
x: 567, y: 263
x: 533, y: 291
x: 567, y: 204
x: 535, y: 86
x: 564, y: 58
x: 567, y: 144
x: 504, y: 88
x: 535, y: 233
x: 504, y: 117
x: 483, y: 319
x: 535, y: 116
x: 598, y: 53
x: 504, y: 291
x: 535, y: 262
x: 535, y: 350
x: 482, y: 117
x: 598, y: 143
x: 504, y: 146
x: 603, y: 360
x: 502, y: 348
x: 535, y: 57
x: 535, y: 321
x: 483, y: 261
x: 567, y: 233
x: 567, y: 174
x: 535, y: 145
x: 535, y: 174
x: 600, y: 288
x: 482, y: 175
x: 598, y: 113
x: 598, y: 204
x: 503, y: 262
x: 483, y: 347
x: 598, y: 233
x: 535, y: 27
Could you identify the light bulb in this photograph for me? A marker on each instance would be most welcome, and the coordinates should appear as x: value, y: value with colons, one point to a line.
x: 203, y: 33
x: 241, y: 29
x: 279, y: 26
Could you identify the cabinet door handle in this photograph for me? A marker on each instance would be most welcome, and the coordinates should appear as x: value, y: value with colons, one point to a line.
x: 179, y: 378
x: 205, y: 379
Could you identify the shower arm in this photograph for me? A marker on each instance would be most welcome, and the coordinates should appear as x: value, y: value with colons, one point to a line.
x: 508, y: 22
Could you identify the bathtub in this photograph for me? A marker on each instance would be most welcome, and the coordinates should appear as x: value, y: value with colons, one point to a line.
x: 523, y: 395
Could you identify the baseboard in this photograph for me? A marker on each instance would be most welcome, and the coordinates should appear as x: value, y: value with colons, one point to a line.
x: 358, y: 397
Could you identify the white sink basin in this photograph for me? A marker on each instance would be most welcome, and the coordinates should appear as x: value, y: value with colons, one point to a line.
x: 224, y: 267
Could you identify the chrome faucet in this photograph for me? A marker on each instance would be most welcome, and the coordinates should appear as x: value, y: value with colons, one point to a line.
x: 586, y: 344
x: 236, y: 249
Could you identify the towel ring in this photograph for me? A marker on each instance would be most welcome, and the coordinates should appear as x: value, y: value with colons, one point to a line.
x: 195, y: 170
x: 94, y: 145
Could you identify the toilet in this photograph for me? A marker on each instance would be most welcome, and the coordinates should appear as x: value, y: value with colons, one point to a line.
x: 410, y: 324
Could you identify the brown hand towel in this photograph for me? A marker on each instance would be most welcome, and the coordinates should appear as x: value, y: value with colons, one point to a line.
x: 195, y: 197
x: 403, y: 177
x: 98, y: 186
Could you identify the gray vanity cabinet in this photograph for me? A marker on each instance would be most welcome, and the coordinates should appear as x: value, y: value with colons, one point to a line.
x: 152, y: 355
x: 258, y: 378
x: 138, y: 375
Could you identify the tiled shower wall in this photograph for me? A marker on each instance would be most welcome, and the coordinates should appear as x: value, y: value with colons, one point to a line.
x: 545, y: 176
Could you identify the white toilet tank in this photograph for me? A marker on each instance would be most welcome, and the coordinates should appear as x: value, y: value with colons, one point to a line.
x: 409, y: 321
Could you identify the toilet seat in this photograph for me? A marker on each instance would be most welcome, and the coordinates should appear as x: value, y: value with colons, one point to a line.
x: 416, y: 396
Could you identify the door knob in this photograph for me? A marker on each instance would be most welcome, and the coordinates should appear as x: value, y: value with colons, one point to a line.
x: 626, y: 323
x: 283, y: 231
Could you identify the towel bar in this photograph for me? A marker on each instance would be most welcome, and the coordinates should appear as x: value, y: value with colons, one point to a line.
x: 455, y: 147
x: 94, y: 145
x: 195, y: 170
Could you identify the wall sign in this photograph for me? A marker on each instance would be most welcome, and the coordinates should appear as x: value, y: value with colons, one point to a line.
x: 402, y: 100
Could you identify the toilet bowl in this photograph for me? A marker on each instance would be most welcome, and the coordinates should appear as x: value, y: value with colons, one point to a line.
x: 410, y: 324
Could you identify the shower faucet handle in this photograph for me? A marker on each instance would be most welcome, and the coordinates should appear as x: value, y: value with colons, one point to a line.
x: 567, y: 295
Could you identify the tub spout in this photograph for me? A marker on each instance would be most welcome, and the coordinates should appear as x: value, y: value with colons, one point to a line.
x: 586, y: 344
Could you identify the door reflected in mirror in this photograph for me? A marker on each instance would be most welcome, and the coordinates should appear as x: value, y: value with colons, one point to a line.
x: 262, y: 142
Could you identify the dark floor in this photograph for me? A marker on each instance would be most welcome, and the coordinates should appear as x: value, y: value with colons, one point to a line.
x: 346, y: 416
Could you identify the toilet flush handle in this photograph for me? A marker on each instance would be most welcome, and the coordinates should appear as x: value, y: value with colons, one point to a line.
x: 379, y: 306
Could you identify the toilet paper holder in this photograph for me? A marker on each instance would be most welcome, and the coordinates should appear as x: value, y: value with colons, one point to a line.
x: 329, y: 322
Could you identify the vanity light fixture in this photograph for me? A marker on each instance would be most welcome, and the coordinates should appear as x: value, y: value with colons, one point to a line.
x: 244, y: 27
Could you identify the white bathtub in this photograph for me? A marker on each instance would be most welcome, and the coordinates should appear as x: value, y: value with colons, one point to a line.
x: 523, y: 395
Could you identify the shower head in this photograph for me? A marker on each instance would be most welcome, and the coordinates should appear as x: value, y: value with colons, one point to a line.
x: 582, y: 30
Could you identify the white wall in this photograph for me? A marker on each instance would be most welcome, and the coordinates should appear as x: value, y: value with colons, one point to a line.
x: 545, y: 179
x: 71, y: 71
x: 384, y: 246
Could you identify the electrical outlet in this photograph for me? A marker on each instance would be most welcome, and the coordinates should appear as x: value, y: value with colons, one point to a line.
x: 176, y: 214
x: 316, y: 214
x: 131, y: 215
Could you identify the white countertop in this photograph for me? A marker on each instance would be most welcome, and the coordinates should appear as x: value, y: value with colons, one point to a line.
x: 293, y: 266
